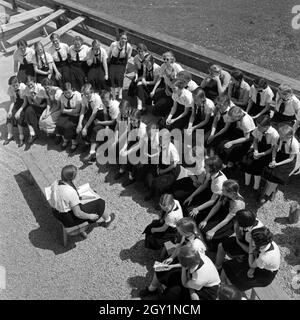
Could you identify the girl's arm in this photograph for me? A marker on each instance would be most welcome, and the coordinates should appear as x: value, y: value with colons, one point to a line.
x: 91, y: 118
x: 265, y: 109
x: 208, y: 203
x: 223, y: 223
x: 192, y: 118
x: 173, y: 110
x: 241, y: 140
x: 160, y: 229
x: 214, y: 210
x: 81, y: 116
x: 154, y: 81
x: 37, y: 70
x: 202, y: 187
x: 286, y: 161
x: 105, y: 67
x: 183, y: 114
x: 214, y: 126
x: 170, y: 168
x: 227, y: 125
x: 11, y: 105
x: 204, y: 122
x: 16, y: 66
x: 158, y: 81
x: 250, y: 104
x: 255, y: 145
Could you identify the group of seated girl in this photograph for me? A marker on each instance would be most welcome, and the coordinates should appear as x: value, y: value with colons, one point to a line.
x: 75, y: 94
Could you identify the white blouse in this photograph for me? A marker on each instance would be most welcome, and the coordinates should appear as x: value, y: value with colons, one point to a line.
x: 43, y: 58
x: 121, y: 52
x: 185, y: 98
x: 91, y: 55
x: 29, y: 55
x: 83, y: 53
x: 12, y: 93
x: 63, y: 50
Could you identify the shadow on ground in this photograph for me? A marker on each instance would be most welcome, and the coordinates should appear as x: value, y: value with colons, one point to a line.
x: 144, y: 257
x: 49, y: 234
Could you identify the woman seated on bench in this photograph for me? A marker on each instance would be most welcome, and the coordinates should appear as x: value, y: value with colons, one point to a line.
x: 66, y: 204
x: 262, y: 265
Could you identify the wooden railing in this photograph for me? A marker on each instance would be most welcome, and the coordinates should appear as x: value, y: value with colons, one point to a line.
x: 196, y: 58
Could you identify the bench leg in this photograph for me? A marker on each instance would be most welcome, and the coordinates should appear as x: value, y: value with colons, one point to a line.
x: 65, y: 237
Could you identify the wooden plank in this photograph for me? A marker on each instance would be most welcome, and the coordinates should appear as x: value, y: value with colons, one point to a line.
x: 27, y: 15
x: 36, y: 26
x: 70, y: 25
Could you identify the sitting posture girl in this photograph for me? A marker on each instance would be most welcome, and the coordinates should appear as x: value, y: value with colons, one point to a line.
x: 42, y: 62
x: 218, y: 224
x: 284, y: 156
x: 238, y: 89
x: 191, y: 236
x: 16, y: 92
x: 160, y: 231
x: 265, y: 139
x: 67, y: 206
x: 262, y: 265
x: 68, y: 121
x: 51, y: 114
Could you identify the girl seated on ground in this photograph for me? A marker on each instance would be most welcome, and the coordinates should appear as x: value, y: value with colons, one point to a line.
x: 265, y: 139
x: 118, y: 55
x: 59, y: 52
x: 42, y: 63
x: 191, y: 236
x: 111, y: 113
x: 238, y: 89
x: 138, y: 62
x: 260, y: 98
x: 202, y: 113
x: 160, y: 231
x: 151, y: 74
x: 165, y: 173
x: 233, y: 150
x: 262, y: 265
x: 284, y: 156
x: 98, y: 71
x: 16, y: 92
x: 51, y: 114
x: 218, y: 224
x: 23, y: 57
x: 190, y: 189
x: 132, y: 147
x: 216, y: 83
x: 79, y: 54
x: 66, y: 203
x: 287, y: 108
x: 191, y: 85
x: 237, y: 246
x: 91, y: 105
x: 67, y: 123
x: 35, y: 104
x: 163, y: 101
x: 220, y: 129
x: 183, y: 104
x: 203, y: 200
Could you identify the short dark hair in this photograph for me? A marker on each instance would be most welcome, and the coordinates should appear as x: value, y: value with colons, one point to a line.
x: 262, y: 236
x: 227, y: 292
x: 260, y: 82
x: 47, y: 82
x: 13, y: 80
x: 264, y: 120
x: 237, y: 75
x: 214, y: 163
x: 189, y: 257
x: 245, y: 218
x: 22, y: 43
x: 68, y: 173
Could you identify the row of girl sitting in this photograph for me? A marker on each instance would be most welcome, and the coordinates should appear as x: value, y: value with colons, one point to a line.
x: 76, y: 64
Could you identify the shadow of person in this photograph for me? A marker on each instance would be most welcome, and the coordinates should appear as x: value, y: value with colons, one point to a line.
x: 144, y: 257
x: 282, y: 220
x: 49, y: 234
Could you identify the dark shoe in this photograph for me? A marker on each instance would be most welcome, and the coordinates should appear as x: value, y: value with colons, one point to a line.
x: 21, y: 143
x: 118, y: 175
x: 90, y: 158
x: 128, y: 182
x: 107, y: 224
x: 57, y: 140
x: 263, y: 199
x: 73, y: 147
x: 147, y: 293
x: 31, y: 139
x: 7, y: 141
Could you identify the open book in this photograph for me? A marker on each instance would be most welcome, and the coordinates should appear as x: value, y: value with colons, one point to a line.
x: 86, y: 193
x: 159, y: 266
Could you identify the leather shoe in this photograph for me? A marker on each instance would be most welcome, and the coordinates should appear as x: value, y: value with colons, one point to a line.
x: 7, y: 141
x: 31, y: 139
x: 107, y: 224
x: 21, y: 143
x: 90, y: 158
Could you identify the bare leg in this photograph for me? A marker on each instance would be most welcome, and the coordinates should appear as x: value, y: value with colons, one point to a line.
x: 220, y: 256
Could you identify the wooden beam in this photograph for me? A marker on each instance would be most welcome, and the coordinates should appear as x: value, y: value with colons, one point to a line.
x: 27, y: 15
x: 36, y: 26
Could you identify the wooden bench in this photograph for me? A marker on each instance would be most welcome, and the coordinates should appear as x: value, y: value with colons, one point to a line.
x: 43, y: 176
x: 271, y: 292
x: 36, y: 26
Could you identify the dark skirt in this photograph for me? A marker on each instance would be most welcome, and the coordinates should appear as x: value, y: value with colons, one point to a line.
x: 183, y: 188
x: 143, y: 92
x: 236, y: 272
x: 170, y: 278
x: 156, y: 240
x: 255, y: 109
x: 181, y: 123
x: 162, y: 104
x: 66, y: 126
x: 116, y: 74
x: 64, y: 70
x: 68, y: 219
x: 24, y: 72
x: 232, y: 248
x: 77, y: 74
x: 41, y: 77
x: 237, y: 151
x: 256, y: 166
x: 280, y: 174
x: 279, y: 118
x: 228, y: 135
x: 32, y: 115
x: 198, y: 200
x: 96, y: 77
x: 21, y: 122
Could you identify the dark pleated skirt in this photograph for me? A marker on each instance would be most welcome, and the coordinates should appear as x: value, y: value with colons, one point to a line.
x: 96, y: 77
x: 66, y: 126
x: 162, y: 104
x: 77, y: 74
x: 13, y: 120
x: 25, y: 71
x: 236, y: 272
x: 116, y: 74
x: 156, y: 240
x: 68, y: 219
